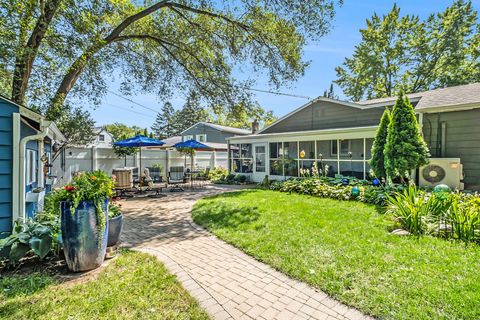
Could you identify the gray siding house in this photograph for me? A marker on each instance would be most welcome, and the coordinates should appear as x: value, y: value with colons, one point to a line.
x: 340, y: 134
x: 213, y: 135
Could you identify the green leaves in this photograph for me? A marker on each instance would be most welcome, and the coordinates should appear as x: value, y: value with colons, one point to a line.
x: 377, y: 162
x: 405, y: 149
x: 30, y: 236
x: 406, y: 53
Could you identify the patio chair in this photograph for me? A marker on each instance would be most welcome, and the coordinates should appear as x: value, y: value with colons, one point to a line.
x: 123, y: 181
x: 203, y: 177
x: 151, y: 185
x: 176, y: 178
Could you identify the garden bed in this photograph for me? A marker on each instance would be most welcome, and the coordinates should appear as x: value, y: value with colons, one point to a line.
x: 346, y: 249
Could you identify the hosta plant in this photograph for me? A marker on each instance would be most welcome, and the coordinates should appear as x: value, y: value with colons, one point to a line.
x: 27, y: 237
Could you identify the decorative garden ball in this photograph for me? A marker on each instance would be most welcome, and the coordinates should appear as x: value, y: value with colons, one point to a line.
x: 355, y: 191
x: 376, y: 182
x: 345, y: 181
x: 441, y: 188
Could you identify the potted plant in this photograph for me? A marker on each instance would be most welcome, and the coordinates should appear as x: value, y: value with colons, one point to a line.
x: 115, y: 223
x: 84, y: 219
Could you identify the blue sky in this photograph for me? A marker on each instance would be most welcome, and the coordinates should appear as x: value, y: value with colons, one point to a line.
x: 324, y: 56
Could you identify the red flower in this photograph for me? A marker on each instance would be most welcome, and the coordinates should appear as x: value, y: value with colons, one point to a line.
x: 69, y: 188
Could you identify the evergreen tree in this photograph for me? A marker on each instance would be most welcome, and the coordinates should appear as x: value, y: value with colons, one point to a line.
x: 330, y: 93
x: 191, y: 113
x: 378, y: 159
x: 164, y: 125
x: 405, y: 149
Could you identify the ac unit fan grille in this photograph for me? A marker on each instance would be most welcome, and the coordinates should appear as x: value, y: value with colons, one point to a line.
x: 433, y: 173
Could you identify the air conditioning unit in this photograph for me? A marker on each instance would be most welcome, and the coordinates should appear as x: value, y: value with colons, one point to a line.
x: 447, y: 171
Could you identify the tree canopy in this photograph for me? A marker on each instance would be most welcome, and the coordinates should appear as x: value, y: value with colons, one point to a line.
x: 405, y: 53
x: 54, y: 50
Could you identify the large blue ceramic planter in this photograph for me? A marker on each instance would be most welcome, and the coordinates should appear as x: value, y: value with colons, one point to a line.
x: 80, y: 236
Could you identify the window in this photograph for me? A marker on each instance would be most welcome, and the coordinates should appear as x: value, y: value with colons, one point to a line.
x: 31, y: 167
x: 242, y: 159
x: 201, y: 137
x: 101, y: 138
x: 187, y: 137
x: 344, y: 147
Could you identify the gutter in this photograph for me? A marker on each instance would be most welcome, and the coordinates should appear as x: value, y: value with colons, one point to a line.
x: 44, y: 129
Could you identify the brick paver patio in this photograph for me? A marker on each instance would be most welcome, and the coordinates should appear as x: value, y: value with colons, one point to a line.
x: 228, y: 283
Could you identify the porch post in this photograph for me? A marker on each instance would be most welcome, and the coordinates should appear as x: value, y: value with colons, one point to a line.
x: 338, y: 156
x: 364, y: 158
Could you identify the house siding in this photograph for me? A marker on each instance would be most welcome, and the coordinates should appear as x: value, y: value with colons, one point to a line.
x: 6, y: 155
x: 213, y: 135
x: 327, y: 115
x: 462, y: 140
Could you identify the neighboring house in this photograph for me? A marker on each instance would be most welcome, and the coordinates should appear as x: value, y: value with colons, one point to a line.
x: 26, y: 143
x: 340, y: 134
x: 103, y: 139
x: 212, y: 135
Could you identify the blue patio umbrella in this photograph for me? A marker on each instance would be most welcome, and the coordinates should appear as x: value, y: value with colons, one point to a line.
x: 139, y: 141
x: 191, y: 144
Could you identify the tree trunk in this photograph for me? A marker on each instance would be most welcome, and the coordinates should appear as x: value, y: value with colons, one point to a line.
x: 79, y: 65
x: 69, y: 80
x: 24, y: 60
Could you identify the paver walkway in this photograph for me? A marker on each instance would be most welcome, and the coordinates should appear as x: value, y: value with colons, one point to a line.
x: 228, y: 283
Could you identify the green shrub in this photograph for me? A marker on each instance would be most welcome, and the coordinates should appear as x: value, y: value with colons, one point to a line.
x: 414, y: 209
x: 28, y: 237
x: 464, y: 217
x: 218, y: 173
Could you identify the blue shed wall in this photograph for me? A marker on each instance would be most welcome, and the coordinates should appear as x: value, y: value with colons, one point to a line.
x: 6, y: 156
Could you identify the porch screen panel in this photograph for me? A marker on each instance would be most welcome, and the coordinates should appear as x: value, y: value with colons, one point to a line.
x: 290, y: 154
x: 242, y: 159
x: 276, y: 159
x: 308, y: 147
x: 368, y: 147
x: 331, y: 167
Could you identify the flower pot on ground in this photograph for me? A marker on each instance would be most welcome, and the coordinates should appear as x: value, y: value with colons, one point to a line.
x: 115, y: 224
x: 84, y: 237
x: 84, y: 220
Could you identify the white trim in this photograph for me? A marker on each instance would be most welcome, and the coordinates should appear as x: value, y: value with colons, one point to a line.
x: 386, y: 103
x: 204, y: 135
x: 325, y: 134
x: 44, y: 130
x: 449, y: 108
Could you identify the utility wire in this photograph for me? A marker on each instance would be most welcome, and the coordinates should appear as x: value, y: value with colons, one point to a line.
x: 140, y: 55
x: 130, y: 100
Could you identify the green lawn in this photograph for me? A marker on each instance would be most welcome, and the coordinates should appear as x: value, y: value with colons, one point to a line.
x: 345, y: 249
x: 133, y: 286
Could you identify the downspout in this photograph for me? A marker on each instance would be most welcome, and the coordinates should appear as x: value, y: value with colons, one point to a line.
x: 21, y: 187
x: 15, y: 166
